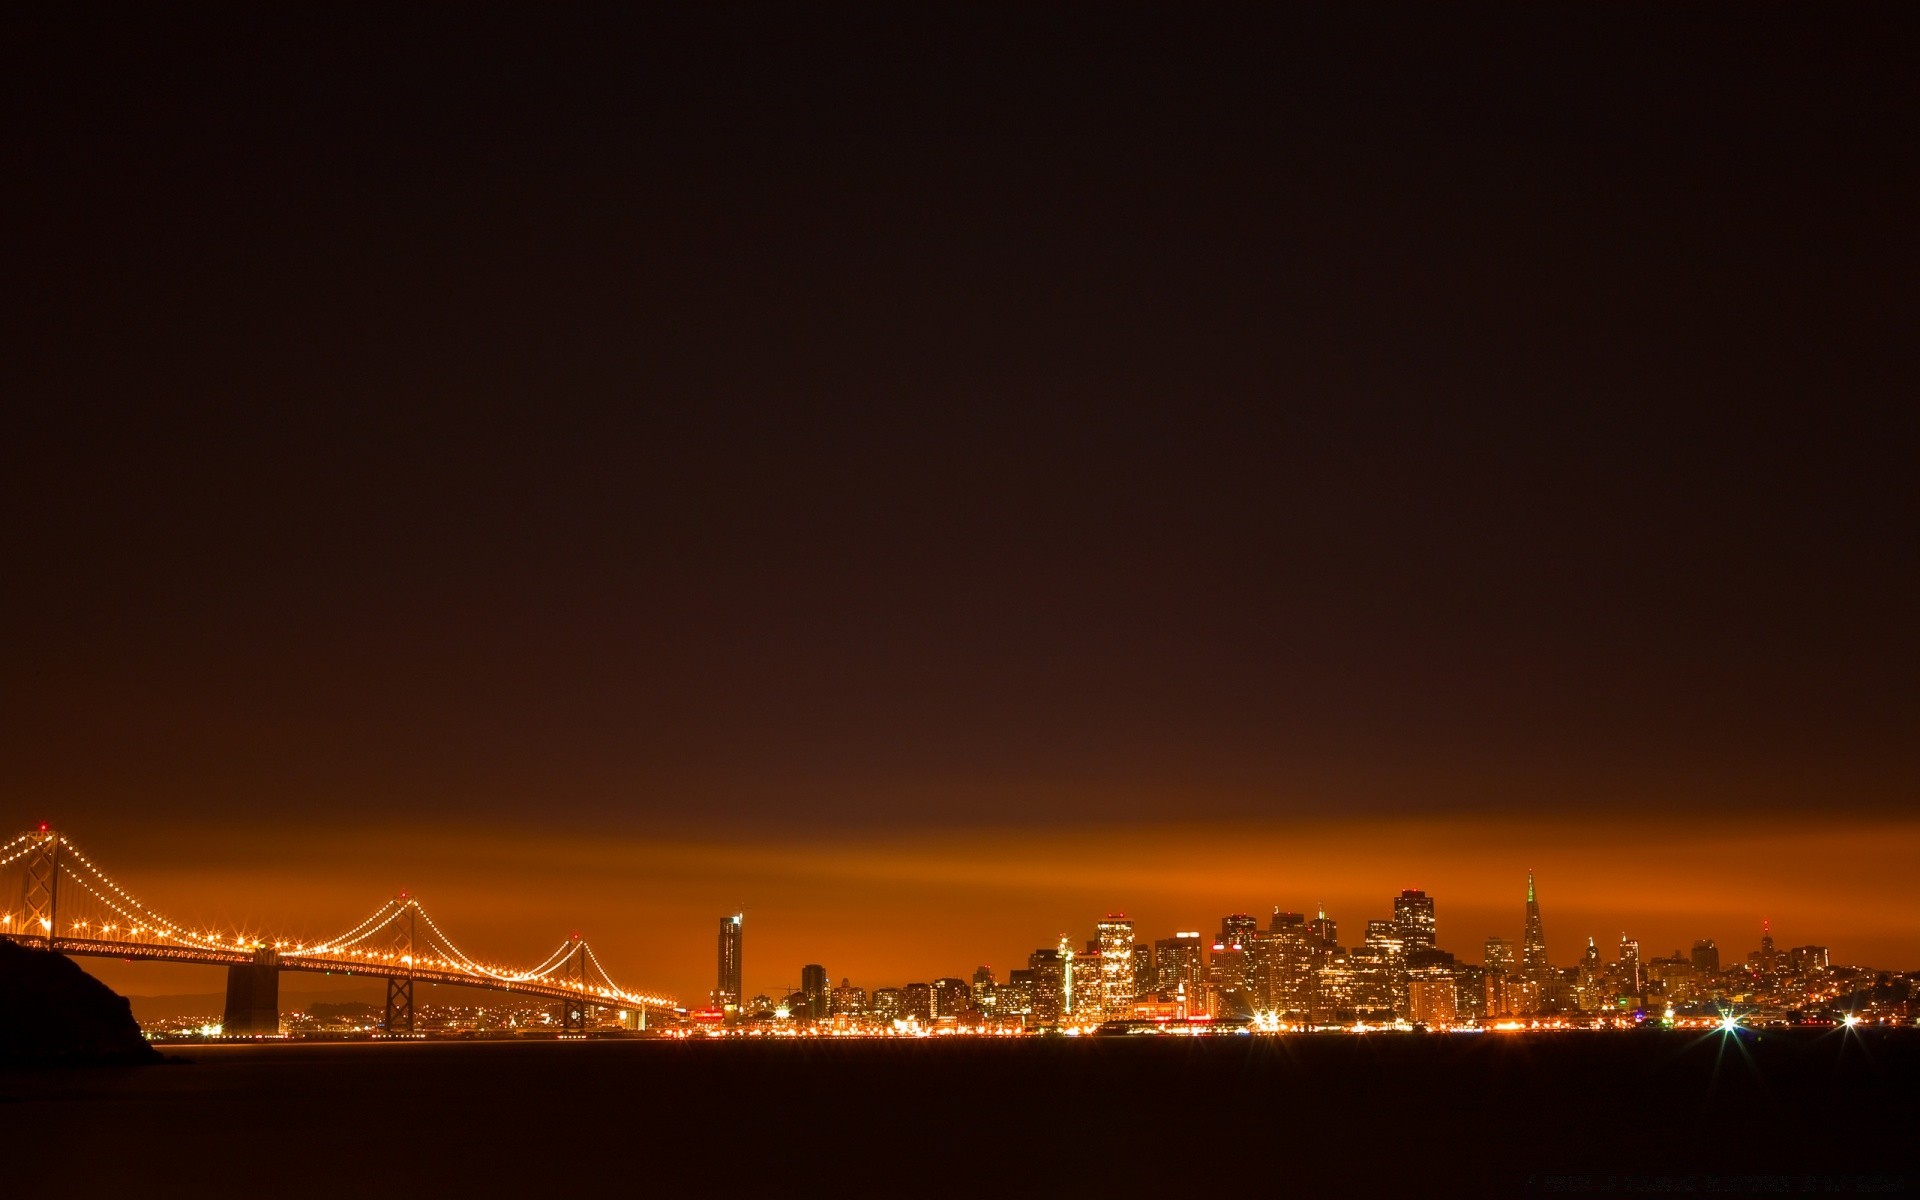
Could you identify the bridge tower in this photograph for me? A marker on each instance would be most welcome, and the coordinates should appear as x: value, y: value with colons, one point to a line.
x: 41, y: 894
x: 253, y: 996
x: 399, y: 1017
x: 574, y: 1012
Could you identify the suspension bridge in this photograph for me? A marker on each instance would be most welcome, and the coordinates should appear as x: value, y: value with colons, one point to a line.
x: 58, y: 899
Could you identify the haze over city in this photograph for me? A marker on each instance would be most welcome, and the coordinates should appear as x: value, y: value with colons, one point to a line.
x: 879, y: 490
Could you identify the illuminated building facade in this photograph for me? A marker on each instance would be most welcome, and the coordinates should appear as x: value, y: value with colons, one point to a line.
x: 888, y: 1004
x: 1180, y: 963
x: 1325, y: 933
x: 1227, y: 991
x: 1115, y: 941
x: 1592, y: 991
x: 1534, y: 963
x: 1014, y: 998
x: 726, y: 992
x: 1431, y: 1000
x: 848, y: 1000
x: 1413, y: 919
x: 916, y: 1002
x: 1470, y: 992
x: 949, y: 998
x: 1047, y: 982
x: 1379, y: 972
x: 1631, y: 982
x: 1283, y: 967
x: 1333, y: 989
x: 1086, y: 990
x: 1237, y: 929
x: 1501, y: 956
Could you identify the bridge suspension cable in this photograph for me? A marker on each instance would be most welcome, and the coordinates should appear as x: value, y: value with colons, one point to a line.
x: 91, y: 924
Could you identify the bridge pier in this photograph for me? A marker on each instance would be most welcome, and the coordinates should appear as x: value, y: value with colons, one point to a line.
x: 253, y: 995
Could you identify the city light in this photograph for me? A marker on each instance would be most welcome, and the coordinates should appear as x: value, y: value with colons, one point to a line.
x: 1289, y: 975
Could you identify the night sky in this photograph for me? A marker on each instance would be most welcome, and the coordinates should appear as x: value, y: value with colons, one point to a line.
x: 932, y: 480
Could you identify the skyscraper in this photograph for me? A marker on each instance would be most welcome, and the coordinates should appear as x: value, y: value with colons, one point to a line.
x: 1070, y: 989
x: 1227, y: 976
x: 1706, y: 957
x: 1047, y: 992
x: 1535, y: 966
x: 1325, y: 933
x: 1238, y: 930
x: 1413, y: 917
x: 1180, y: 965
x: 1116, y: 965
x: 1500, y: 956
x: 1286, y: 966
x: 818, y: 991
x: 1142, y: 968
x: 848, y: 1000
x: 1379, y: 968
x: 726, y: 993
x: 1632, y: 980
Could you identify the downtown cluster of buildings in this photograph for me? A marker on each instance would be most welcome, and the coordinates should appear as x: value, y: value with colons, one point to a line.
x: 1294, y: 972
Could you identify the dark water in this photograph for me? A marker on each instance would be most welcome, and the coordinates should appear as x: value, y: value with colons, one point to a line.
x: 1494, y: 1115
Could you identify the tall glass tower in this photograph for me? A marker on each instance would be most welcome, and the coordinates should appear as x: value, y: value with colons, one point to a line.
x: 727, y: 993
x: 1413, y: 917
x: 1116, y: 965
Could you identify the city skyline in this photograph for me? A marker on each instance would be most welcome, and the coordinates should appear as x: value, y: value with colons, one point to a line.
x: 986, y: 904
x: 1144, y: 963
x: 1324, y: 566
x: 947, y: 456
x: 1286, y: 971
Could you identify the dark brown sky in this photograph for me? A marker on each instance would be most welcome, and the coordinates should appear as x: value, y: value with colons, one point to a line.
x: 806, y: 425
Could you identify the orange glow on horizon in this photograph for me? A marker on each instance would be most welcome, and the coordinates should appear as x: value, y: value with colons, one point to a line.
x: 884, y: 910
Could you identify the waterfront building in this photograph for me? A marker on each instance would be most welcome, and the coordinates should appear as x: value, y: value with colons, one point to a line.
x: 1497, y: 1000
x: 1470, y: 992
x: 949, y: 998
x: 1284, y: 966
x: 1117, y: 988
x: 1179, y: 962
x: 726, y: 991
x: 1333, y: 1002
x: 1379, y: 973
x: 1431, y: 1000
x: 816, y: 992
x: 1014, y: 998
x: 1227, y: 992
x: 916, y: 1002
x: 1046, y: 994
x: 888, y: 1004
x: 848, y: 1000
